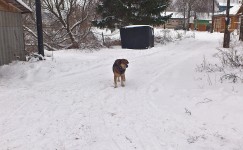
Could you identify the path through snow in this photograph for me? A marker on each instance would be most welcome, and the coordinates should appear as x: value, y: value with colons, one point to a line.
x: 70, y: 103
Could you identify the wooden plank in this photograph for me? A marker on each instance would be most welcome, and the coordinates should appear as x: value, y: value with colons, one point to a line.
x: 1, y: 19
x: 7, y: 34
x: 7, y: 7
x: 1, y: 47
x: 11, y: 37
x: 4, y: 38
x: 21, y: 38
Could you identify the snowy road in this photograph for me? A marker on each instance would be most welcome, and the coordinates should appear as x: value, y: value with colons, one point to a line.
x: 70, y: 103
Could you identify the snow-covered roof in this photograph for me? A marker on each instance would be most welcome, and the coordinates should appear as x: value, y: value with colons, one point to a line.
x: 225, y: 4
x: 233, y: 11
x: 201, y: 16
x: 232, y: 2
x: 20, y: 5
x: 204, y: 16
x: 134, y: 26
x: 174, y: 14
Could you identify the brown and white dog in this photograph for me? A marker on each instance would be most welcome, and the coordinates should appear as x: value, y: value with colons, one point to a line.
x: 119, y: 68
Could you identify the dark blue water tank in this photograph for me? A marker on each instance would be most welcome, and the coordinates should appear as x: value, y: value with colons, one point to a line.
x: 137, y: 37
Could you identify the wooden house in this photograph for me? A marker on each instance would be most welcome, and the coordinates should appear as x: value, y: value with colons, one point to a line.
x: 11, y: 30
x: 176, y: 21
x: 222, y: 4
x: 234, y: 13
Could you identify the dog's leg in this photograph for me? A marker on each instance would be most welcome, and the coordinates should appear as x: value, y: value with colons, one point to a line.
x: 122, y: 80
x: 118, y: 79
x: 115, y: 82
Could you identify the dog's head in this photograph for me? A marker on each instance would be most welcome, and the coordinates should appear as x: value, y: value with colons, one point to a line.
x: 122, y: 62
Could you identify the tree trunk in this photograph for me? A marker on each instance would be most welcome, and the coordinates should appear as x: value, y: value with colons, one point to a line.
x: 241, y: 28
x: 226, y: 31
x: 184, y: 15
x: 212, y: 26
x: 74, y: 43
x: 188, y: 16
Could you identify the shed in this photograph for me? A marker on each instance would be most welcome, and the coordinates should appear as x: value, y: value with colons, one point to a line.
x: 202, y: 22
x: 11, y: 30
x: 137, y: 37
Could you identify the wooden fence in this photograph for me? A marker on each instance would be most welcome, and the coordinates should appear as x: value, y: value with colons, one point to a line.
x: 11, y: 37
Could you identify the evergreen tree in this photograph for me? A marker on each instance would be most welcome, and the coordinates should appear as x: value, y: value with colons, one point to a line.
x: 118, y: 13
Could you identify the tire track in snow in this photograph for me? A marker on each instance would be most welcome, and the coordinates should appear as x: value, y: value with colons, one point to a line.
x: 120, y: 113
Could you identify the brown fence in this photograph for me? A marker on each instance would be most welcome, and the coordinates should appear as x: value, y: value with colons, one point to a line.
x: 11, y: 37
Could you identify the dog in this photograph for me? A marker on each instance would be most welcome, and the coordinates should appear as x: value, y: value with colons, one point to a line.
x: 119, y: 68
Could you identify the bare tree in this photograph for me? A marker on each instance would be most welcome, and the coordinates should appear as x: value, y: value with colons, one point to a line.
x: 203, y: 6
x: 72, y: 19
x: 181, y: 6
x: 187, y: 7
x: 66, y: 23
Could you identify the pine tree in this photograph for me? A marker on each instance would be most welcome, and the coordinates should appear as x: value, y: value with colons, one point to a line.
x: 118, y: 13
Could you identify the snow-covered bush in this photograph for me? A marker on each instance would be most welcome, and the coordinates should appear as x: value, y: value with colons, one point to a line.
x: 164, y: 36
x: 108, y: 42
x: 233, y: 56
x: 231, y: 62
x: 161, y: 36
x: 33, y: 57
x: 91, y: 42
x: 208, y: 67
x: 106, y: 37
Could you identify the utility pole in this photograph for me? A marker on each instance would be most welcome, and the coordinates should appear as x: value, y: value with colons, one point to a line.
x: 184, y: 15
x: 39, y: 27
x: 241, y: 25
x: 241, y: 28
x: 165, y: 23
x: 188, y: 15
x: 226, y: 31
x: 212, y: 26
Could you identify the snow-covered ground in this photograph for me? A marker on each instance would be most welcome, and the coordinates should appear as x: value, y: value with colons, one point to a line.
x: 69, y: 102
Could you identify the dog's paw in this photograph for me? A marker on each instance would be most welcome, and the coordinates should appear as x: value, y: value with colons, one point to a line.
x: 123, y: 85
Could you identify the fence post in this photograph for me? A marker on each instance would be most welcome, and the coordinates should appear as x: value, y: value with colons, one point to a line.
x: 103, y: 39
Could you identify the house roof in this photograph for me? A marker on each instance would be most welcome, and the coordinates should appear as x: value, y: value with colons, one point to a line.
x: 20, y: 5
x: 232, y: 2
x: 175, y: 14
x: 233, y: 11
x: 200, y: 16
x: 204, y: 16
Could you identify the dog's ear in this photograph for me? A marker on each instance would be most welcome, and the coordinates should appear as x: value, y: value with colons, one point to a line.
x: 118, y: 61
